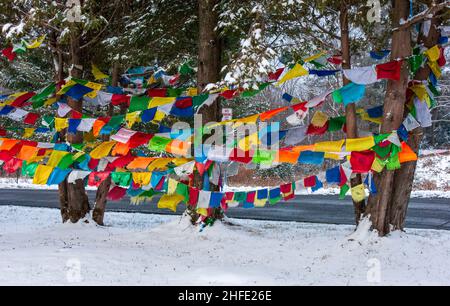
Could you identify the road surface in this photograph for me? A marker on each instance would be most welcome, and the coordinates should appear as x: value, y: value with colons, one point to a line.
x: 431, y: 213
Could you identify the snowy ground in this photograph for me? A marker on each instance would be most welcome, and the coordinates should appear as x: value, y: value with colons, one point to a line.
x: 35, y: 249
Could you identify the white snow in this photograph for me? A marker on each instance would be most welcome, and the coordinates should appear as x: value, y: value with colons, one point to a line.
x: 135, y: 249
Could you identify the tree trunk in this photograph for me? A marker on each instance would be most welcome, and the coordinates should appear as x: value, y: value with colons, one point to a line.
x: 394, y: 103
x: 209, y: 61
x: 102, y: 191
x: 404, y: 177
x: 350, y: 110
x: 73, y: 198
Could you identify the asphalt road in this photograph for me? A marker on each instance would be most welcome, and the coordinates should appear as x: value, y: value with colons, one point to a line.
x: 431, y: 213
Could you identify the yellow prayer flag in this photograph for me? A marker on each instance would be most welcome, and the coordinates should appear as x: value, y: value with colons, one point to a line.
x: 132, y: 118
x: 158, y: 101
x: 172, y: 186
x: 433, y: 54
x: 102, y: 150
x: 91, y: 95
x: 358, y: 193
x: 94, y: 86
x: 142, y: 178
x: 295, y: 72
x: 191, y: 91
x: 359, y: 144
x: 160, y: 164
x: 170, y: 202
x: 56, y: 157
x: 98, y: 75
x: 69, y: 83
x: 61, y: 124
x: 332, y: 156
x: 36, y: 43
x: 159, y: 116
x: 434, y: 66
x: 50, y: 101
x: 248, y: 142
x: 319, y: 119
x: 377, y: 165
x: 260, y: 202
x: 202, y: 212
x: 314, y: 57
x: 329, y: 146
x: 28, y: 132
x: 42, y: 174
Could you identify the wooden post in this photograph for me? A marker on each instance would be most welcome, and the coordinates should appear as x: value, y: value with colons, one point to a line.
x: 404, y: 177
x: 351, y: 119
x: 394, y: 102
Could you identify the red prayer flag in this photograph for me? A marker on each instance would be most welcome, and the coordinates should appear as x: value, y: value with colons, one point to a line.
x: 31, y: 118
x: 193, y: 196
x: 442, y: 61
x: 20, y: 101
x: 9, y: 53
x: 314, y: 130
x: 310, y: 181
x: 157, y: 92
x: 274, y: 76
x: 96, y: 178
x: 117, y: 193
x: 390, y: 71
x: 362, y: 161
x: 117, y: 100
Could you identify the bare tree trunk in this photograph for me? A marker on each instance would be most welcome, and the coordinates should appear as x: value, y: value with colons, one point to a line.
x: 73, y: 198
x: 394, y: 103
x: 350, y: 110
x: 102, y: 191
x: 404, y: 177
x: 209, y: 61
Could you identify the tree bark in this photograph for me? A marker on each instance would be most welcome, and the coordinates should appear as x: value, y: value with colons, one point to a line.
x: 209, y: 61
x: 102, y: 192
x: 379, y: 205
x: 73, y: 198
x: 351, y: 119
x: 404, y: 177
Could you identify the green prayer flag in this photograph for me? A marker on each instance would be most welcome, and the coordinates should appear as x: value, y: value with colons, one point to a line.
x: 240, y: 197
x: 199, y: 100
x: 121, y: 179
x: 29, y: 169
x: 116, y: 121
x: 273, y: 201
x: 175, y: 92
x: 138, y: 104
x: 344, y: 189
x: 337, y: 97
x: 380, y: 137
x: 382, y: 151
x: 66, y: 162
x: 415, y: 62
x: 183, y: 190
x: 159, y: 144
x: 185, y: 69
x: 336, y: 124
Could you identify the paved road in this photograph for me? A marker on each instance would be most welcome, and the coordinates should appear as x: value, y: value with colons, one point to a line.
x: 431, y: 213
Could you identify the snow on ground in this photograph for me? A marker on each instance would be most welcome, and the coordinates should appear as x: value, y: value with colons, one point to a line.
x: 35, y: 249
